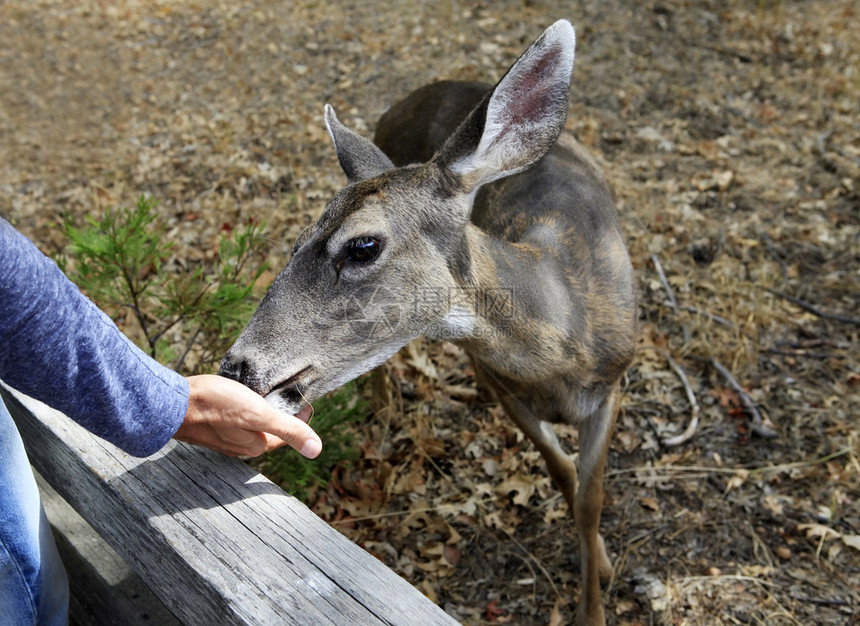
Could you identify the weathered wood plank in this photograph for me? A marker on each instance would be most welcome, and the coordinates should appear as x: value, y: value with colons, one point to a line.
x: 104, y: 590
x: 217, y: 542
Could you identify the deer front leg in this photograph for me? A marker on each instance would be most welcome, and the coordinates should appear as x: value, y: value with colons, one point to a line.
x: 585, y: 502
x: 594, y: 434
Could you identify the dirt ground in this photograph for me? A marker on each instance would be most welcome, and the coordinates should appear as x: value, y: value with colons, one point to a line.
x: 731, y: 135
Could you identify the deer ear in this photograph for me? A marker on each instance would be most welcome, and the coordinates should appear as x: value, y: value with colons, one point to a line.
x: 521, y: 118
x: 358, y: 156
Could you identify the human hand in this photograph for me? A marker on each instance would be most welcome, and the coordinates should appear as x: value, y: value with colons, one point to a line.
x: 227, y: 416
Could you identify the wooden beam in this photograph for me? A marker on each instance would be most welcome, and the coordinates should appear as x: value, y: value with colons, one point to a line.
x: 216, y: 542
x: 103, y: 589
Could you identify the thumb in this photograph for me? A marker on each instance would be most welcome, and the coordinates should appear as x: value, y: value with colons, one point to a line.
x: 281, y: 429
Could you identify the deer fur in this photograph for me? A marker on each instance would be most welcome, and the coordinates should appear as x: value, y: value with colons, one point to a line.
x: 477, y: 219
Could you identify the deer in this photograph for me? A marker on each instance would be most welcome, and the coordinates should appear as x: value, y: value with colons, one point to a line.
x: 473, y: 217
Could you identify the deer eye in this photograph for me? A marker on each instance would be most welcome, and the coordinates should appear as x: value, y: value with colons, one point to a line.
x: 362, y: 249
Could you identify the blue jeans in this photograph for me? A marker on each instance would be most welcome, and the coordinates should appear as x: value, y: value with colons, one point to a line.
x: 33, y: 584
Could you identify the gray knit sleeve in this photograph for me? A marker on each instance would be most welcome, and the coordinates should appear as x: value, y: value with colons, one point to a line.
x: 58, y: 347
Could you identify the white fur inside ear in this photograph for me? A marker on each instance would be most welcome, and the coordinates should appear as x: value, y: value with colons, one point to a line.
x: 524, y: 105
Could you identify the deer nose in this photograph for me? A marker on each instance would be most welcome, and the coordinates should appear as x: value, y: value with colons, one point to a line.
x: 240, y: 370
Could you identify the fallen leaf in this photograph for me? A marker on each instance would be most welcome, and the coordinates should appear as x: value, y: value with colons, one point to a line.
x: 490, y: 466
x: 452, y: 554
x: 726, y: 397
x: 428, y: 590
x: 756, y: 571
x: 628, y: 439
x: 522, y: 486
x: 624, y: 606
x: 555, y: 618
x: 649, y: 503
x: 738, y: 479
x: 771, y: 503
x: 420, y: 360
x: 852, y: 541
x: 492, y: 611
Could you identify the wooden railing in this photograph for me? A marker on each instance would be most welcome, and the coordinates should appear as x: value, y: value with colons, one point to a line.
x: 215, y: 542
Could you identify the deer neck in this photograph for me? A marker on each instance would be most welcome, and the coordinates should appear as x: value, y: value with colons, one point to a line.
x: 511, y: 305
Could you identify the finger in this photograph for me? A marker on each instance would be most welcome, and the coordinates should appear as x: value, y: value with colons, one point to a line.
x: 292, y: 430
x: 302, y: 438
x: 306, y: 414
x: 273, y: 443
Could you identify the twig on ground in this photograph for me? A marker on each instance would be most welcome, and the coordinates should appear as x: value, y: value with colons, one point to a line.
x: 697, y: 472
x: 821, y: 601
x: 665, y: 282
x: 671, y: 294
x: 802, y: 353
x: 534, y: 559
x: 711, y: 316
x: 674, y: 302
x: 694, y: 406
x: 758, y: 426
x: 803, y: 304
x: 815, y: 342
x: 743, y: 57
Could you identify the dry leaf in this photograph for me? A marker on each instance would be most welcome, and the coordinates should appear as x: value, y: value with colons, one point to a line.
x: 629, y: 440
x: 771, y: 503
x: 649, y: 503
x: 452, y: 554
x: 756, y: 571
x: 522, y: 486
x: 420, y: 360
x: 852, y: 541
x: 738, y: 479
x: 555, y: 618
x: 490, y: 467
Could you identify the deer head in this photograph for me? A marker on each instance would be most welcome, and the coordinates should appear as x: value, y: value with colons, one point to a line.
x: 376, y: 269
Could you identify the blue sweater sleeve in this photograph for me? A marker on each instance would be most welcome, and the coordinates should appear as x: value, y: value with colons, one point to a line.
x: 58, y: 347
